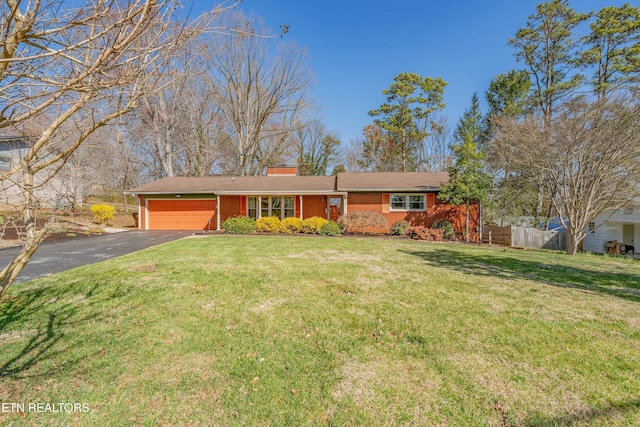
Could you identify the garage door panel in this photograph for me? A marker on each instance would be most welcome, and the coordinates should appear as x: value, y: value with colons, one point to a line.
x: 181, y: 214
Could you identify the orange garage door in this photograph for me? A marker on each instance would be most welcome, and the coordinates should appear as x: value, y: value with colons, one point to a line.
x: 181, y: 214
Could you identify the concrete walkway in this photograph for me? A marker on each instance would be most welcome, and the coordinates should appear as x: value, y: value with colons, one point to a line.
x: 55, y: 257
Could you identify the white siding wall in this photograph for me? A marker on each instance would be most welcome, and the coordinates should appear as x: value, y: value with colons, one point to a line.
x: 594, y: 242
x: 612, y: 229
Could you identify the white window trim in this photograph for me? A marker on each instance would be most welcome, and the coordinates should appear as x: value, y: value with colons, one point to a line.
x: 270, y: 209
x: 407, y: 202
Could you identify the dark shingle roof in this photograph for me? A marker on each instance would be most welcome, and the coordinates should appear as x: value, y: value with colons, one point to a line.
x: 240, y: 185
x: 343, y: 182
x: 391, y: 181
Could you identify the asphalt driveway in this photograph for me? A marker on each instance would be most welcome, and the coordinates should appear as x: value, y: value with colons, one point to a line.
x: 55, y: 257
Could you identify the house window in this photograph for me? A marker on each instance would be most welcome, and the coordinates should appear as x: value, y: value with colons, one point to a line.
x: 592, y: 227
x: 5, y: 163
x: 265, y: 206
x: 280, y: 207
x: 408, y: 202
x: 252, y: 207
x: 289, y: 207
x: 276, y: 207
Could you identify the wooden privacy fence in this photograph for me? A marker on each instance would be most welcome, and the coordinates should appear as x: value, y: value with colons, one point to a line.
x: 524, y: 237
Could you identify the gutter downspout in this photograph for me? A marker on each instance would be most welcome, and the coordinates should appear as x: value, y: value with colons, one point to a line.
x: 218, y: 212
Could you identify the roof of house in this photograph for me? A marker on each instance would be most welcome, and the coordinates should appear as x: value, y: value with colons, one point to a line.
x: 391, y: 181
x: 240, y: 185
x: 340, y: 184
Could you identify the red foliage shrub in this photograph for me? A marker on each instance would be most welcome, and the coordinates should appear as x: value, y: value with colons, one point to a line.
x: 424, y: 233
x: 359, y: 220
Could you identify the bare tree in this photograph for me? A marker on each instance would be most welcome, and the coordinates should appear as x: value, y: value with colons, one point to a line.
x: 260, y: 94
x: 436, y: 152
x: 68, y: 70
x: 316, y: 148
x: 378, y: 152
x: 588, y: 156
x: 158, y: 117
x: 201, y: 129
x: 352, y: 155
x: 274, y: 149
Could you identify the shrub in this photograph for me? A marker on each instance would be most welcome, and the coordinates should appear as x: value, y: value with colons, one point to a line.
x: 269, y: 224
x: 331, y: 228
x: 313, y: 225
x: 448, y: 232
x: 362, y: 219
x: 291, y: 225
x: 399, y: 228
x: 424, y: 233
x: 103, y: 213
x: 239, y: 225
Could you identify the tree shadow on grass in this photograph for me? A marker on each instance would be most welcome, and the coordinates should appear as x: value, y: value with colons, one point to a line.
x: 603, y: 415
x: 38, y: 319
x: 620, y: 284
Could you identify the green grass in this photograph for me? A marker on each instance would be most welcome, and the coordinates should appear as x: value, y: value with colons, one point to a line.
x: 271, y: 330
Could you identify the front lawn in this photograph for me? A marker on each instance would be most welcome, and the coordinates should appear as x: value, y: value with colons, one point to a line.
x: 273, y: 330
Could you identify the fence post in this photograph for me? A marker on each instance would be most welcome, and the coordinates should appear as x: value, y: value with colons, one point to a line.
x: 489, y: 236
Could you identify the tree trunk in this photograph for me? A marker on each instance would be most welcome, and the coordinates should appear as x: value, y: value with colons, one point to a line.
x: 540, y: 200
x: 19, y: 262
x: 480, y: 227
x: 572, y: 243
x: 33, y: 237
x: 466, y: 223
x: 28, y: 212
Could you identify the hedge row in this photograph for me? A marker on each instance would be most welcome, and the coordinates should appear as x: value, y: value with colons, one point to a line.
x: 441, y: 230
x: 313, y: 225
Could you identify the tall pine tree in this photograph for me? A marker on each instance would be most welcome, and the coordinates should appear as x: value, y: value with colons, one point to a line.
x: 468, y: 181
x: 411, y: 99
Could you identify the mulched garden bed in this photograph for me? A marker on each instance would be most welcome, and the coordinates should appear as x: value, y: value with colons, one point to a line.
x: 14, y: 230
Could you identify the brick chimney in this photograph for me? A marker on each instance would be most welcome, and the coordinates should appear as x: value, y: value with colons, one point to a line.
x: 282, y: 171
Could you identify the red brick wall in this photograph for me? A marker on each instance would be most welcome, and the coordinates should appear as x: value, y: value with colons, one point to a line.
x: 143, y: 212
x: 456, y: 215
x: 364, y: 202
x: 369, y: 202
x: 314, y: 206
x: 282, y: 171
x: 229, y: 206
x: 436, y: 210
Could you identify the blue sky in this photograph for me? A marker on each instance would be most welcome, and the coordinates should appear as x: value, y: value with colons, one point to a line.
x: 356, y: 48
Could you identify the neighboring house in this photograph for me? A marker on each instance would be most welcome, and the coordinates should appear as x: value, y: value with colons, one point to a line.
x: 191, y: 203
x: 49, y: 191
x: 12, y: 148
x: 622, y: 226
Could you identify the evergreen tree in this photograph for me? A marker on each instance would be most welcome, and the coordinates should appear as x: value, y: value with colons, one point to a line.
x: 547, y: 47
x: 468, y: 181
x: 405, y: 119
x: 613, y: 48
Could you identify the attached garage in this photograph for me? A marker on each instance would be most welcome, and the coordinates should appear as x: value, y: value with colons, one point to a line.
x: 183, y: 214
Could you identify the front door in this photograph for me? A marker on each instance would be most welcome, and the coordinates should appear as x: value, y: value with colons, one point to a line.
x: 335, y: 208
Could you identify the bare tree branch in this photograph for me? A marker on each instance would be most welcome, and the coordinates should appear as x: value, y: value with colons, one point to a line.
x: 588, y: 156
